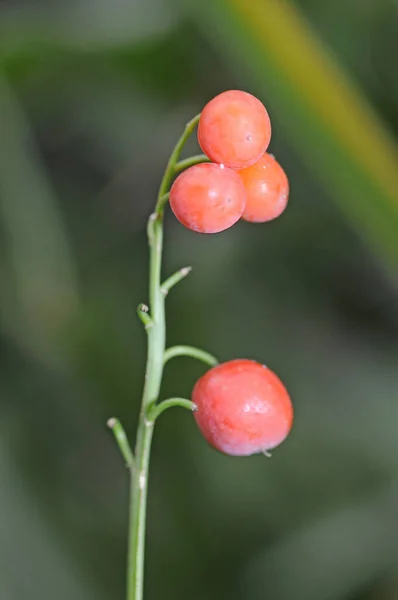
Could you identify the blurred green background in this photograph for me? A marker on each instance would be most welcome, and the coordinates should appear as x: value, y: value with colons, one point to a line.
x: 93, y: 95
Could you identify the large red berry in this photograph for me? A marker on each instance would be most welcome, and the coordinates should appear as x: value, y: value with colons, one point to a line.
x: 243, y: 408
x: 234, y: 129
x: 208, y: 198
x: 267, y: 190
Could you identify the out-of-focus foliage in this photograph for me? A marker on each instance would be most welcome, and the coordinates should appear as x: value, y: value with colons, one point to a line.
x: 93, y: 95
x: 318, y: 107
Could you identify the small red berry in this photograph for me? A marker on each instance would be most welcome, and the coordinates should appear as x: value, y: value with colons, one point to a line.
x: 267, y: 189
x: 234, y: 129
x: 243, y: 408
x: 208, y: 198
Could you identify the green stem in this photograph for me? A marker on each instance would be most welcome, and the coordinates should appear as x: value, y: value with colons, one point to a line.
x: 153, y: 378
x: 174, y: 279
x: 157, y: 409
x: 171, y: 165
x: 122, y: 441
x: 144, y: 316
x: 205, y: 357
x: 190, y: 162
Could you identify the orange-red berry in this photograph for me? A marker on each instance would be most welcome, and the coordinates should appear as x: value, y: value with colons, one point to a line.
x: 208, y: 198
x: 267, y: 190
x: 243, y: 408
x: 234, y: 129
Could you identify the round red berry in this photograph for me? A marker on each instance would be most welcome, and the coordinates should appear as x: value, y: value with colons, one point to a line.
x: 267, y: 188
x: 208, y: 198
x: 243, y: 408
x: 234, y: 129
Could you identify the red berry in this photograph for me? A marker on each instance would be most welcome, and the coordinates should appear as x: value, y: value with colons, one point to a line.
x: 267, y: 190
x: 234, y: 129
x: 208, y: 198
x: 243, y: 408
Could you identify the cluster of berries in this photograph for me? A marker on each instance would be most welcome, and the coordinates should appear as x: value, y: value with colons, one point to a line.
x: 243, y: 408
x: 243, y: 181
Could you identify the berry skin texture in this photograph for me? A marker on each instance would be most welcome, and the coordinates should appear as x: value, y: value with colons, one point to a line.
x: 208, y: 198
x: 234, y: 129
x: 243, y: 408
x: 267, y: 188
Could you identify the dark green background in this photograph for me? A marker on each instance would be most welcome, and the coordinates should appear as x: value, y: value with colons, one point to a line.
x: 93, y: 95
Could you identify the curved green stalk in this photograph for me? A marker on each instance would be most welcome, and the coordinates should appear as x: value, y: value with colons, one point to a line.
x: 190, y: 162
x: 171, y: 165
x: 174, y: 279
x: 157, y: 409
x: 205, y: 357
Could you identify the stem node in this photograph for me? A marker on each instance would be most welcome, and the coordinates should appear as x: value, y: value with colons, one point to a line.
x: 151, y: 227
x: 174, y: 279
x: 142, y: 480
x: 143, y: 313
x: 122, y: 441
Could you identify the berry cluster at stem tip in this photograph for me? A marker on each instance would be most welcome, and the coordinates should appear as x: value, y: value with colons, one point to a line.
x: 242, y: 180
